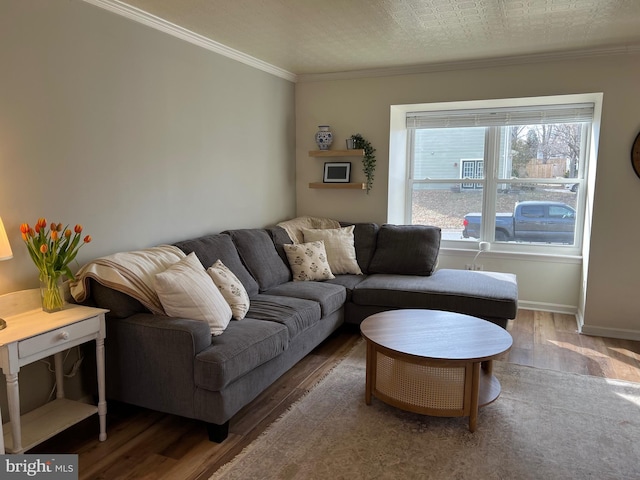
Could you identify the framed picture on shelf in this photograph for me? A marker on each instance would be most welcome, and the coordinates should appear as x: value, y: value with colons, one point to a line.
x: 337, y: 172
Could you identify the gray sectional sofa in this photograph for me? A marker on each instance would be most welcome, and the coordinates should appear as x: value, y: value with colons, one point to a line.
x: 175, y: 365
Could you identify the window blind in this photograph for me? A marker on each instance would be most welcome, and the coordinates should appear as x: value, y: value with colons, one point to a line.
x: 490, y: 117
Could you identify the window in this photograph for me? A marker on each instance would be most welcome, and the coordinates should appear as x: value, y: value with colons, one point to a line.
x: 508, y: 174
x: 472, y: 169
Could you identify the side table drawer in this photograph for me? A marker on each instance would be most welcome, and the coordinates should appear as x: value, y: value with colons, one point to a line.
x: 60, y: 336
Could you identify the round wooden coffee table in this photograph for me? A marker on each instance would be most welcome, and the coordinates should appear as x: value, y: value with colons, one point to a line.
x: 432, y: 362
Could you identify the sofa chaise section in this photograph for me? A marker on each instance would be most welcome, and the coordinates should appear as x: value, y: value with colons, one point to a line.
x: 488, y: 295
x: 399, y: 263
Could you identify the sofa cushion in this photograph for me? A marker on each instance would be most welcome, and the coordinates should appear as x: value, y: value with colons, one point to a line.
x: 477, y: 293
x: 406, y: 250
x: 308, y: 261
x: 231, y: 289
x: 119, y: 304
x: 220, y: 247
x: 338, y: 243
x: 244, y: 346
x: 280, y: 238
x: 186, y: 291
x: 365, y: 239
x: 349, y: 282
x: 259, y: 255
x: 330, y: 297
x: 294, y: 313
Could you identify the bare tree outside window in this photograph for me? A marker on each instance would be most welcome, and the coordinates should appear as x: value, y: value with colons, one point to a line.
x: 544, y: 143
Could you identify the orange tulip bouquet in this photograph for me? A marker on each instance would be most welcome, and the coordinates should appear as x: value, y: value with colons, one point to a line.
x: 52, y: 250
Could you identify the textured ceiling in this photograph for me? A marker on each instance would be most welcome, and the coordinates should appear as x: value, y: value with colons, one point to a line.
x: 322, y: 36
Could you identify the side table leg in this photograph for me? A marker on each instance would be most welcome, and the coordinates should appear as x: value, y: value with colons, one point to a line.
x: 102, y: 404
x: 2, y: 452
x: 57, y: 361
x: 13, y: 398
x: 475, y: 391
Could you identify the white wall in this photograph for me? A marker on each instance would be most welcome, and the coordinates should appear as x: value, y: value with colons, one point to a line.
x: 607, y: 301
x: 139, y: 136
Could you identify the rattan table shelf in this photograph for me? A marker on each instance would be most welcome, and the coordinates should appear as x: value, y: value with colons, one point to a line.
x: 432, y: 362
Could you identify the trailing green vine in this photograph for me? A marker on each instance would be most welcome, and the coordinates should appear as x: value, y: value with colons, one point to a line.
x: 369, y: 159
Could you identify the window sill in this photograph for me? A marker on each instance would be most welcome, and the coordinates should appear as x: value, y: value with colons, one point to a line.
x: 496, y: 253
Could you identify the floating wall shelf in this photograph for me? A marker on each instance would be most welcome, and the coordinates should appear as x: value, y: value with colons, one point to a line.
x: 350, y: 186
x: 337, y: 153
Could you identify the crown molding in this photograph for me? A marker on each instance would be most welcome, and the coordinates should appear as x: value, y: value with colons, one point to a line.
x: 472, y: 64
x: 140, y: 16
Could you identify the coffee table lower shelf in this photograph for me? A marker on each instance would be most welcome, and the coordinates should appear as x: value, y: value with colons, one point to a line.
x: 443, y: 388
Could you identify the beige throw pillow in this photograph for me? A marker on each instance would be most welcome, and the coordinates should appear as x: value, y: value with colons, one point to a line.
x: 185, y: 290
x: 339, y: 244
x: 308, y: 261
x: 231, y: 289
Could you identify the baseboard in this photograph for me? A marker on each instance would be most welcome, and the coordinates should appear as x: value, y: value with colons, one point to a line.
x: 621, y: 333
x: 548, y: 307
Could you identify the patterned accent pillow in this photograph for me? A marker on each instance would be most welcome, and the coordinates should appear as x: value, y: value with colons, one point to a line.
x: 231, y: 289
x: 186, y: 291
x: 338, y: 242
x: 308, y: 261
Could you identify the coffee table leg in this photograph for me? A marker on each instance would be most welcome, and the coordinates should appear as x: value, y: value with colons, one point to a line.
x: 475, y: 391
x: 488, y: 367
x: 370, y: 374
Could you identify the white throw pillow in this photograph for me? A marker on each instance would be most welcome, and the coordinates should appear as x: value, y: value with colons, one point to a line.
x: 308, y: 261
x: 231, y: 289
x: 339, y: 244
x: 185, y: 290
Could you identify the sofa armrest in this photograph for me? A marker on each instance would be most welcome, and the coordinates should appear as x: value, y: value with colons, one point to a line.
x: 150, y: 361
x: 162, y: 328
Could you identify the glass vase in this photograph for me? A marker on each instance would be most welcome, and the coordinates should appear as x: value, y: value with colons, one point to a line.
x: 51, y: 293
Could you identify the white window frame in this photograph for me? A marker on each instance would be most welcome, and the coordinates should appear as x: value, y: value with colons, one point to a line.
x: 399, y: 198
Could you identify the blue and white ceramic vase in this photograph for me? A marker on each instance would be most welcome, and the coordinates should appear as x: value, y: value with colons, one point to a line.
x: 324, y: 138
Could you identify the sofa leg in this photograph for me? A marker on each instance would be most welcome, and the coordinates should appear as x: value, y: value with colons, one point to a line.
x: 218, y: 433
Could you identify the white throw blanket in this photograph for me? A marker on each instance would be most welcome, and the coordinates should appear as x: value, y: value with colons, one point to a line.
x: 294, y: 226
x: 129, y: 272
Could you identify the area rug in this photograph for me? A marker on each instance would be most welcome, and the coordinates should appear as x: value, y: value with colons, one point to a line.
x: 544, y: 425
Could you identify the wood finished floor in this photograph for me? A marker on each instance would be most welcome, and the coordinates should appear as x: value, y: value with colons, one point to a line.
x: 143, y: 444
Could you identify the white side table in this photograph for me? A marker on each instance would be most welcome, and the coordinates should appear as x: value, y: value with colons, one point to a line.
x: 31, y: 335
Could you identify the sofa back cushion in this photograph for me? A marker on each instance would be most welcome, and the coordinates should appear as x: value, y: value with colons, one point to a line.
x: 211, y: 248
x: 280, y: 237
x: 406, y: 249
x: 365, y: 236
x: 119, y: 304
x: 259, y: 255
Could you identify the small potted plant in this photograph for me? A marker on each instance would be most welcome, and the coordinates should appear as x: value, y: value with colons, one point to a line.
x: 369, y: 159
